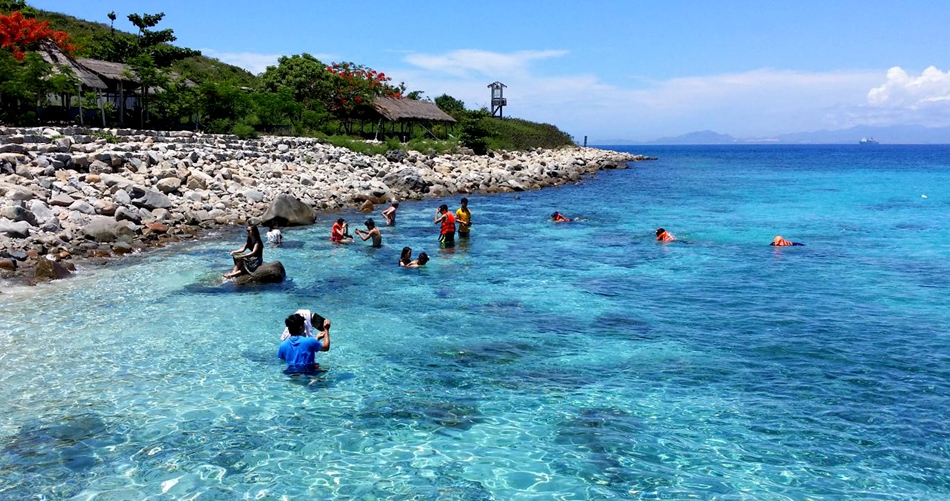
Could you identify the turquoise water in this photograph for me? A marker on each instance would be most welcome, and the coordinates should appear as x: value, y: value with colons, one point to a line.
x: 539, y: 361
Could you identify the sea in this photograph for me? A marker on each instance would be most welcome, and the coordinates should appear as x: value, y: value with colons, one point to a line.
x: 536, y: 361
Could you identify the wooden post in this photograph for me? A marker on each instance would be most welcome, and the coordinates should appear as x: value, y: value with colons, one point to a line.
x: 79, y: 86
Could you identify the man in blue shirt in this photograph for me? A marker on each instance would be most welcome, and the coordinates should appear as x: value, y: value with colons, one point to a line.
x: 299, y: 350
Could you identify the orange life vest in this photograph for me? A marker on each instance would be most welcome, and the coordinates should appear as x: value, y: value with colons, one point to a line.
x: 448, y: 224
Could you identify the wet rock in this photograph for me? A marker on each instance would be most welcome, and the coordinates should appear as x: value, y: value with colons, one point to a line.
x: 47, y: 269
x: 267, y: 273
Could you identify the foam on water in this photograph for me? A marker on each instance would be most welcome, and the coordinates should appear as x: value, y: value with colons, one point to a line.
x: 538, y: 361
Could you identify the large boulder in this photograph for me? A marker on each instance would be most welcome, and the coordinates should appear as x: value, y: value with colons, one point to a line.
x: 286, y: 210
x: 107, y: 229
x: 407, y: 179
x: 18, y: 229
x: 149, y: 199
x: 267, y: 273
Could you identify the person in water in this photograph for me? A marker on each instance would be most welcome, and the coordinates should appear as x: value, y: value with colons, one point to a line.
x: 340, y: 232
x: 371, y: 232
x: 447, y: 221
x: 311, y: 321
x: 464, y: 218
x: 664, y: 236
x: 390, y: 214
x: 252, y: 257
x: 405, y: 257
x: 420, y: 261
x: 778, y: 241
x: 274, y: 236
x: 557, y: 217
x: 298, y: 350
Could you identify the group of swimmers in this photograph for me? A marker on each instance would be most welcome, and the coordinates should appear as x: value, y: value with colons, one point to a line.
x: 664, y: 236
x: 307, y: 333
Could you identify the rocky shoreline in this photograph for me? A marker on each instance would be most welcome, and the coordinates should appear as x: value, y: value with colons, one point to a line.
x: 68, y: 194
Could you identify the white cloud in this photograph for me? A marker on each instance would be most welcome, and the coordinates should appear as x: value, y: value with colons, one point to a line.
x: 250, y: 61
x: 901, y: 89
x: 905, y: 99
x: 753, y: 103
x: 466, y: 62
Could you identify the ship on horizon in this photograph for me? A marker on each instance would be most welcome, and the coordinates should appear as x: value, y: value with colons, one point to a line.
x: 867, y: 140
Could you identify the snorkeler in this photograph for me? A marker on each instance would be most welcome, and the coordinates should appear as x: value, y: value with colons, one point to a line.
x: 778, y: 241
x: 664, y: 236
x: 557, y: 217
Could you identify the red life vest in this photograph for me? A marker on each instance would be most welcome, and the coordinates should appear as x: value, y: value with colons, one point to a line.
x: 448, y: 224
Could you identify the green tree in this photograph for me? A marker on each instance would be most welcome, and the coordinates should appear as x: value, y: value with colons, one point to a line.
x: 123, y: 47
x: 475, y: 133
x: 304, y: 76
x: 450, y: 105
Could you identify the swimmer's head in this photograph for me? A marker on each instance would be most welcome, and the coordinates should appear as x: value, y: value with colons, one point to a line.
x: 660, y: 231
x: 341, y: 221
x: 370, y: 223
x: 423, y: 258
x: 294, y: 324
x: 443, y: 208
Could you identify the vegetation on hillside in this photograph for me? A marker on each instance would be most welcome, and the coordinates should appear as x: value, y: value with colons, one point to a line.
x: 300, y: 95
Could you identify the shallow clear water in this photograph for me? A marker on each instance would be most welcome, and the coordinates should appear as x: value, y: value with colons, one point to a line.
x: 539, y: 361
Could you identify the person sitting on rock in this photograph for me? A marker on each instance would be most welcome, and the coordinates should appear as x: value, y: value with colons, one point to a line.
x: 371, y: 232
x: 253, y: 257
x: 340, y: 233
x: 390, y: 214
x: 298, y: 350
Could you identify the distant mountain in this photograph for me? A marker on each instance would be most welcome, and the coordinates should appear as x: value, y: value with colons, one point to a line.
x: 700, y: 137
x: 894, y: 134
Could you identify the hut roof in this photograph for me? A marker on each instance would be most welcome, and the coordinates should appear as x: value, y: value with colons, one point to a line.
x: 107, y: 69
x: 409, y: 109
x: 52, y: 54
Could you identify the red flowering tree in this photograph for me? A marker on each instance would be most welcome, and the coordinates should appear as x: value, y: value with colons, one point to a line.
x: 354, y: 86
x: 19, y: 35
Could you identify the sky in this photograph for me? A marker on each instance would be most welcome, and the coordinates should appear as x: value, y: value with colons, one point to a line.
x: 609, y: 70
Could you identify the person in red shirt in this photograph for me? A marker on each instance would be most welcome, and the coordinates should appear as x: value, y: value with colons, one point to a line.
x: 557, y: 217
x: 447, y: 221
x: 339, y: 234
x: 664, y: 236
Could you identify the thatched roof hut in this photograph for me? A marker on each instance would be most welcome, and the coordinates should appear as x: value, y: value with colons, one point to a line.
x: 52, y: 54
x: 108, y: 70
x: 396, y: 110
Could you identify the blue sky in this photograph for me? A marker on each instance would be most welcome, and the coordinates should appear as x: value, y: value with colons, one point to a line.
x: 633, y: 70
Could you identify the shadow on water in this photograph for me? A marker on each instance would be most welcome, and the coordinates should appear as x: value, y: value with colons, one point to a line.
x: 621, y: 325
x: 419, y: 412
x: 289, y: 244
x: 214, y: 284
x: 603, y: 436
x: 60, y: 452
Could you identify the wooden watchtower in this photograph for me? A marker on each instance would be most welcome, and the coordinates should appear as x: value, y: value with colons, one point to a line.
x: 497, y: 98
